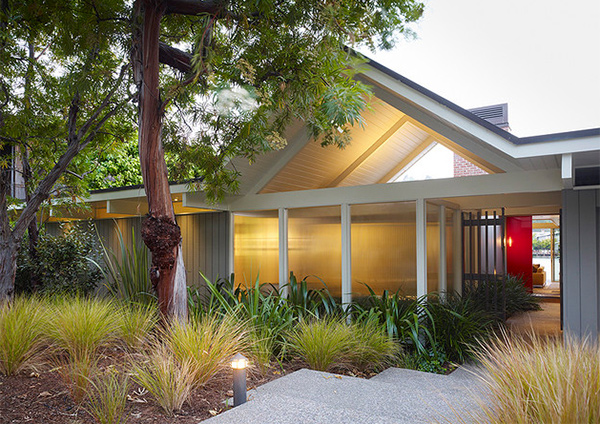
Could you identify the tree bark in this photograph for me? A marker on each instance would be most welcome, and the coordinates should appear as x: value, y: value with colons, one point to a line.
x: 8, y: 269
x: 160, y: 231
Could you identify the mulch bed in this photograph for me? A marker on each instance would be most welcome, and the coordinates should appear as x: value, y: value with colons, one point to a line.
x: 43, y: 397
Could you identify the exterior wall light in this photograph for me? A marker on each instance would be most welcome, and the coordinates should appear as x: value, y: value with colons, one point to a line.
x: 239, y: 364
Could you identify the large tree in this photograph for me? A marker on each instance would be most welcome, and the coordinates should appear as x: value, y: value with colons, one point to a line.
x: 216, y: 79
x: 249, y: 68
x: 62, y: 84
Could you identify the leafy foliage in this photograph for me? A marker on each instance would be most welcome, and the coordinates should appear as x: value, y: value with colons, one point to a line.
x: 62, y: 264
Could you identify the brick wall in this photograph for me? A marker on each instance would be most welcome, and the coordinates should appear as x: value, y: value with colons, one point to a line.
x: 464, y: 168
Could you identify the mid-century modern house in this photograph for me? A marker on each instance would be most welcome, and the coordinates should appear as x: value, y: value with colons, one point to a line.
x: 352, y: 217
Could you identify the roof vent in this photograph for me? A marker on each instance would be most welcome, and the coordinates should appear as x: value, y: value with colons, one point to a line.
x: 495, y: 114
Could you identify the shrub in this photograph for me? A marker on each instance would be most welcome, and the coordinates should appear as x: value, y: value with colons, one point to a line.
x: 537, y: 380
x: 108, y: 397
x: 504, y: 297
x: 206, y: 344
x: 63, y: 263
x: 457, y: 324
x: 168, y: 380
x: 392, y: 310
x: 23, y: 323
x: 80, y: 326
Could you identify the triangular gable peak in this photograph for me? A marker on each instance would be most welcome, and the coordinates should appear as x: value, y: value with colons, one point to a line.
x: 403, y: 123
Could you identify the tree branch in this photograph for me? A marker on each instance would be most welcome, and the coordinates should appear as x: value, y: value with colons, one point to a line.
x: 175, y: 58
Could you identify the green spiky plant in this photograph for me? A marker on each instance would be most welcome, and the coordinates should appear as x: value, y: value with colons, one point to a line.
x: 107, y: 397
x: 23, y: 326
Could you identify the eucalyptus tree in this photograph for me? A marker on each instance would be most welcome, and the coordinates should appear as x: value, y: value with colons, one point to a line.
x: 63, y: 82
x: 239, y: 71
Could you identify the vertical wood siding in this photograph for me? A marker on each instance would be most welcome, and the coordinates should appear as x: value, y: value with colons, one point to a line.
x: 581, y: 261
x: 205, y: 238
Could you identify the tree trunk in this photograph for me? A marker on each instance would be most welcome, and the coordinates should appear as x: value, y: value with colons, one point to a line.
x: 8, y: 267
x: 160, y: 231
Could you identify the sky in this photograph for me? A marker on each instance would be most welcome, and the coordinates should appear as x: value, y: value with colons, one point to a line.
x: 542, y: 57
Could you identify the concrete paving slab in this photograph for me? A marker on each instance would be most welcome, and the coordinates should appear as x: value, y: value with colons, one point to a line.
x: 397, y: 396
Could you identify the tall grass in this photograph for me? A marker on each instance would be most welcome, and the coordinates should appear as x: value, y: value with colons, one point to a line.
x: 324, y: 344
x: 331, y: 344
x: 536, y: 380
x: 22, y: 330
x: 168, y: 380
x: 80, y: 326
x: 206, y: 344
x: 136, y: 323
x: 77, y: 372
x: 108, y: 397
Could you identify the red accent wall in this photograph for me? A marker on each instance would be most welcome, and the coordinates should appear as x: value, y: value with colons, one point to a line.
x: 519, y: 254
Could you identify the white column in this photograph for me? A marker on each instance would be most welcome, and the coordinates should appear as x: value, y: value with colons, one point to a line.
x: 283, y: 252
x: 421, y: 247
x: 346, y: 256
x: 458, y: 251
x: 443, y: 269
x: 230, y: 245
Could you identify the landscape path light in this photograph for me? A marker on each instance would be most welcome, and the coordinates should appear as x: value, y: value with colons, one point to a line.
x: 239, y: 364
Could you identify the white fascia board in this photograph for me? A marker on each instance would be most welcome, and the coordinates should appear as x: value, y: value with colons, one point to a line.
x: 584, y: 144
x: 514, y: 182
x: 133, y: 193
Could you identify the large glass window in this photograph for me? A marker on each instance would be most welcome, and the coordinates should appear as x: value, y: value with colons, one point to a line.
x: 383, y: 248
x: 315, y: 246
x: 256, y: 247
x: 433, y: 247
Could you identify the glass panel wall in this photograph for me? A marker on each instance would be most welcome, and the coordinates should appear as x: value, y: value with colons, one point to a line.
x: 315, y: 246
x: 256, y: 247
x: 450, y: 249
x: 383, y: 248
x: 433, y: 247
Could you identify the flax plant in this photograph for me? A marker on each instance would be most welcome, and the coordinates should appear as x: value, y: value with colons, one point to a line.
x: 536, y: 380
x: 23, y: 324
x: 207, y: 344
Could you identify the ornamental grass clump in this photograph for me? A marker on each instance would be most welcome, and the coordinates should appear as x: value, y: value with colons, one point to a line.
x: 23, y: 324
x: 372, y: 348
x: 536, y: 380
x: 168, y: 380
x: 77, y: 372
x: 80, y: 326
x: 136, y: 324
x: 107, y: 397
x: 207, y: 344
x: 325, y: 345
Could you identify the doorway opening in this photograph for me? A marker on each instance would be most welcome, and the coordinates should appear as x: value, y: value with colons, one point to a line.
x: 545, y: 236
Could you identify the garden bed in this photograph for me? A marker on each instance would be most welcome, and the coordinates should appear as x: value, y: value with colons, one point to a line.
x: 44, y: 398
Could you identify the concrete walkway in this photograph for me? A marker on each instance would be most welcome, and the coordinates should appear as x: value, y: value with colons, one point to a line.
x: 395, y: 396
